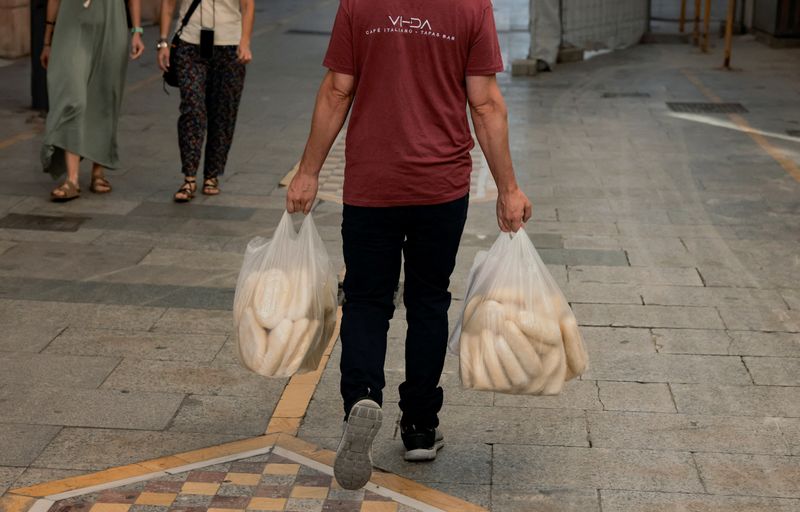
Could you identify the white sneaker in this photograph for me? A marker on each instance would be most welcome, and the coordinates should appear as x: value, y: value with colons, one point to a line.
x: 353, y: 466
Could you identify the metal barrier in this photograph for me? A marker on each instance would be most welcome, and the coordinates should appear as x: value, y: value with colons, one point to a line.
x: 696, y: 36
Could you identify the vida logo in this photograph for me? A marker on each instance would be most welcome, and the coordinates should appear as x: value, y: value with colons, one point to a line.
x: 414, y: 23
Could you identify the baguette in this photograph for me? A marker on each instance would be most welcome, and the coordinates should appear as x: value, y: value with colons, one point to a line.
x: 464, y: 358
x: 513, y: 369
x: 314, y: 346
x: 574, y: 349
x: 480, y: 377
x: 521, y: 347
x: 244, y: 296
x: 539, y: 327
x: 271, y: 298
x: 497, y: 375
x: 489, y: 315
x: 302, y: 295
x: 252, y: 343
x: 277, y: 343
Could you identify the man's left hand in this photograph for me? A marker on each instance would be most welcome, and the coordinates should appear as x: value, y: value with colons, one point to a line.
x: 302, y: 192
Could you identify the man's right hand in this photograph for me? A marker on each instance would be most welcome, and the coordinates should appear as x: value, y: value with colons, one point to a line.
x: 513, y: 210
x: 163, y: 59
x: 302, y: 192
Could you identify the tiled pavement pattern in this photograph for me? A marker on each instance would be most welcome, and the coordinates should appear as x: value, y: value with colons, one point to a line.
x: 267, y: 482
x: 675, y: 238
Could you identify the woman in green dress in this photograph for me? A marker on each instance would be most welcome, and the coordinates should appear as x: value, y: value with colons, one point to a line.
x: 85, y: 81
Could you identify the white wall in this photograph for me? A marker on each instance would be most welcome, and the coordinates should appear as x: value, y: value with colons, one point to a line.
x: 595, y: 24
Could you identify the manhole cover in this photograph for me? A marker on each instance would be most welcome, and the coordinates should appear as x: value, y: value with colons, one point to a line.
x: 626, y: 94
x: 707, y: 108
x: 41, y: 222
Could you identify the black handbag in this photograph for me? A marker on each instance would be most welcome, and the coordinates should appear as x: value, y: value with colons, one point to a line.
x: 171, y: 74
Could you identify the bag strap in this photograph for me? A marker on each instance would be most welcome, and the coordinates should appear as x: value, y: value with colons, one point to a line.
x: 188, y: 15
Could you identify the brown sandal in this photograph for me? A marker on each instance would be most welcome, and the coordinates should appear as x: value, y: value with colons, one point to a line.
x: 187, y: 190
x: 67, y: 191
x: 211, y: 186
x: 100, y: 185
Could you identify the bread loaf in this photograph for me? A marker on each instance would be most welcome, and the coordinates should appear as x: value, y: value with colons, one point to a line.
x: 277, y: 343
x: 511, y: 365
x: 302, y: 295
x: 574, y: 349
x: 497, y: 374
x: 271, y: 298
x: 252, y: 342
x: 244, y: 296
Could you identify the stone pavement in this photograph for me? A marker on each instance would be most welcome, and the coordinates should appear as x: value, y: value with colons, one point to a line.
x: 674, y: 235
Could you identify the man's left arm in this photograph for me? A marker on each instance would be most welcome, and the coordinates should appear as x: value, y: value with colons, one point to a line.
x: 248, y: 9
x: 333, y: 103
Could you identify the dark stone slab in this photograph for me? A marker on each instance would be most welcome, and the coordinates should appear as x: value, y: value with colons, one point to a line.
x: 41, y: 222
x: 192, y: 211
x: 116, y: 293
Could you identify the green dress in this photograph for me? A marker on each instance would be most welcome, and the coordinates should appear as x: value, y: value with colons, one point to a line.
x: 85, y: 82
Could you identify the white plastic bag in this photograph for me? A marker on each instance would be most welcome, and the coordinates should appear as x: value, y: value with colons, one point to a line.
x: 284, y: 310
x: 517, y: 333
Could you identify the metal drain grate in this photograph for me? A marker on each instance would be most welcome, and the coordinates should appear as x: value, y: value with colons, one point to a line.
x: 626, y: 94
x: 707, y: 108
x: 41, y: 222
x: 793, y: 133
x: 303, y: 32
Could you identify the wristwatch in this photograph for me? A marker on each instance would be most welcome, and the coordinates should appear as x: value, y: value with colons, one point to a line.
x: 162, y: 43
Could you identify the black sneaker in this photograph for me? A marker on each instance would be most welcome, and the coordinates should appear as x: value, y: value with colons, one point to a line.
x: 353, y: 466
x: 421, y: 443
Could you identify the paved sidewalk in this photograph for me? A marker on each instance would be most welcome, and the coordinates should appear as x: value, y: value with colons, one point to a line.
x: 674, y: 235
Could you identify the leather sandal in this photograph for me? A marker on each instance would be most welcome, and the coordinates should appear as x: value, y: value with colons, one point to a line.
x: 100, y: 185
x: 187, y: 190
x: 211, y: 186
x: 67, y: 191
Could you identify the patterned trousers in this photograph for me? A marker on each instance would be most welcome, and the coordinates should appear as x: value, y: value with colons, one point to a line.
x: 210, y: 94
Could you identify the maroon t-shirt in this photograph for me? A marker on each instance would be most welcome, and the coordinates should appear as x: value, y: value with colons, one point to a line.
x: 408, y: 140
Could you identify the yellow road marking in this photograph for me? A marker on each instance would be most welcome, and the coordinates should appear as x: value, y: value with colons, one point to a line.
x: 788, y: 164
x: 26, y: 135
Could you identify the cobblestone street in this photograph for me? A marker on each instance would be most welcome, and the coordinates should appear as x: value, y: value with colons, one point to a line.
x: 674, y: 233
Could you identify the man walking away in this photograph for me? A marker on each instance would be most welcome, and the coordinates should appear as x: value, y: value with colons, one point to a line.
x: 408, y: 69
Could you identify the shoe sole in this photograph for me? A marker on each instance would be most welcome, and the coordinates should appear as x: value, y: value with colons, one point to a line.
x: 353, y: 466
x: 424, y: 454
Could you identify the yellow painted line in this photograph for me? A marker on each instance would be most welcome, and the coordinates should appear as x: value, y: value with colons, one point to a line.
x: 20, y: 137
x: 788, y: 164
x: 293, y: 403
x: 386, y: 480
x: 142, y: 83
x: 14, y: 503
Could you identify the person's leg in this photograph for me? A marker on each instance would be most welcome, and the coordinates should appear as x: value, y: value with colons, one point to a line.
x: 372, y: 240
x: 99, y: 183
x: 430, y: 250
x: 70, y: 187
x: 192, y: 122
x: 223, y: 94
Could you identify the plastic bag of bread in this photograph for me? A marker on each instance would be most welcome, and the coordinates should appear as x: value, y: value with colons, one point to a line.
x: 284, y: 310
x: 517, y: 333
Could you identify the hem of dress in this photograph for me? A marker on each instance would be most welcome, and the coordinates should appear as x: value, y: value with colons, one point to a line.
x: 56, y: 170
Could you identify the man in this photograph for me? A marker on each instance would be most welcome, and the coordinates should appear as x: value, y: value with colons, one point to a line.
x: 407, y: 68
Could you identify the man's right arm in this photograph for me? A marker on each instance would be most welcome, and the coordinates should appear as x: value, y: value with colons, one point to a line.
x: 490, y: 117
x: 333, y: 103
